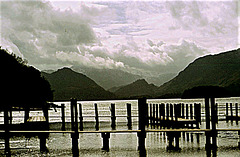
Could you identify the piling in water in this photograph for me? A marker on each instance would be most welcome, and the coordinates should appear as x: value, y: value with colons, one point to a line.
x: 142, y: 107
x: 74, y: 123
x: 113, y: 116
x: 63, y: 117
x: 80, y: 117
x: 207, y: 114
x: 129, y: 116
x: 6, y: 137
x: 105, y: 136
x: 96, y: 117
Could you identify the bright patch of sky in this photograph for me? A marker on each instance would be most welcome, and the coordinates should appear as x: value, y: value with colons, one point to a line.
x: 149, y: 36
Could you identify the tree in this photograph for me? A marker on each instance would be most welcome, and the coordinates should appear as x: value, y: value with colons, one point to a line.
x: 22, y: 85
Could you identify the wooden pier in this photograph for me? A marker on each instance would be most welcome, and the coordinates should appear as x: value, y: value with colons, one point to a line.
x: 175, y: 120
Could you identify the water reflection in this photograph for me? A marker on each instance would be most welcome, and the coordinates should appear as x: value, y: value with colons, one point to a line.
x: 211, y: 152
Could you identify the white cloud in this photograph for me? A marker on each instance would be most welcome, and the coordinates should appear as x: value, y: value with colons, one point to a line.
x: 89, y: 60
x: 153, y: 37
x: 38, y: 30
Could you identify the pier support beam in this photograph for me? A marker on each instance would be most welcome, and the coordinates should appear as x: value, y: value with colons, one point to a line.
x: 43, y: 136
x: 129, y: 116
x: 142, y: 115
x: 113, y: 116
x: 80, y: 117
x: 239, y: 139
x: 207, y: 114
x: 74, y: 121
x: 63, y: 117
x: 105, y: 136
x: 214, y: 122
x: 96, y: 117
x: 6, y: 137
x: 26, y: 114
x: 43, y: 143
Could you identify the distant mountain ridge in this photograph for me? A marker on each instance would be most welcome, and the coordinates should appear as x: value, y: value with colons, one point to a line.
x: 222, y: 70
x: 67, y: 84
x: 114, y: 78
x: 139, y: 88
x: 107, y: 78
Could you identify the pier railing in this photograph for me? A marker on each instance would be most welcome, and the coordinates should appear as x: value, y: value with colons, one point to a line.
x: 172, y: 119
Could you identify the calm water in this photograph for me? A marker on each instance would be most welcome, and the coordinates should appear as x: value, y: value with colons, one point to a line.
x: 124, y: 144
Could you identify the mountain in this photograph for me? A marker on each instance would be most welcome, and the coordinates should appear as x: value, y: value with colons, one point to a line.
x: 67, y: 84
x: 160, y: 79
x: 112, y: 79
x: 221, y: 70
x: 136, y: 89
x: 108, y: 78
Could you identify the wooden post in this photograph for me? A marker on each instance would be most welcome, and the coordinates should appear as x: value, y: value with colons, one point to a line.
x: 129, y: 116
x: 105, y: 136
x: 147, y: 120
x: 74, y: 121
x: 45, y: 113
x: 191, y: 114
x: 197, y: 113
x: 187, y: 115
x: 72, y: 113
x: 142, y: 106
x: 182, y: 110
x: 6, y: 137
x: 167, y: 111
x: 157, y: 118
x: 227, y: 112
x: 170, y: 140
x: 171, y: 111
x: 151, y: 117
x: 63, y: 117
x: 160, y: 113
x: 216, y: 112
x: 96, y: 117
x: 172, y: 135
x: 186, y: 111
x: 154, y: 116
x: 163, y: 115
x: 177, y: 110
x: 113, y: 116
x: 231, y: 110
x: 80, y: 117
x: 11, y: 117
x: 43, y: 136
x: 207, y: 117
x: 236, y: 107
x: 26, y: 115
x: 43, y: 141
x: 214, y: 121
x: 239, y: 139
x: 198, y: 139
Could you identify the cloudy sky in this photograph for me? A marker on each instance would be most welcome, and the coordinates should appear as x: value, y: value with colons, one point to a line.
x: 146, y: 36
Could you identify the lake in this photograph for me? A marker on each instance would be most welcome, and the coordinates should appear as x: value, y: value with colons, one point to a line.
x: 122, y: 144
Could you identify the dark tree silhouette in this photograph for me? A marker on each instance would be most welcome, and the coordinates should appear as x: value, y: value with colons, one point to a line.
x: 205, y: 91
x: 21, y: 85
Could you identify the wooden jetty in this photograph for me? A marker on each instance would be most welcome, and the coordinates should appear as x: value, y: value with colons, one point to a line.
x: 232, y: 116
x: 173, y: 119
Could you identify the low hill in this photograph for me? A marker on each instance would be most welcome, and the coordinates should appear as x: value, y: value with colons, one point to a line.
x: 221, y: 70
x: 139, y: 88
x: 67, y: 84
